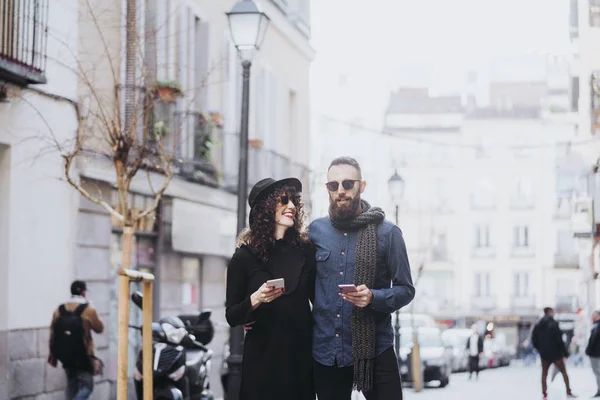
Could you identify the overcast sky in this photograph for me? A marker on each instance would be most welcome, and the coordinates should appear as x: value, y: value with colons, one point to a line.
x: 419, y: 42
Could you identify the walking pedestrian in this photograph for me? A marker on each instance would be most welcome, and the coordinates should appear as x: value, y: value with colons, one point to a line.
x: 71, y: 342
x: 547, y: 340
x: 277, y: 362
x: 593, y: 349
x: 475, y: 348
x: 353, y: 335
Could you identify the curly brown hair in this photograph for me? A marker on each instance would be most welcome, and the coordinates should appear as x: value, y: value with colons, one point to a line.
x: 260, y: 236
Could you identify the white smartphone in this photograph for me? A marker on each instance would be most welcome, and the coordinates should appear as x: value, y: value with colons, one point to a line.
x: 348, y: 288
x: 277, y: 283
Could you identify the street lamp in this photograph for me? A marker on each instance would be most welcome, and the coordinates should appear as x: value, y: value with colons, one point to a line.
x: 248, y: 26
x: 396, y: 188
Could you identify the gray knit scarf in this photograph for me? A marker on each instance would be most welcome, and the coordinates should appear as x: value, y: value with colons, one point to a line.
x: 363, y: 319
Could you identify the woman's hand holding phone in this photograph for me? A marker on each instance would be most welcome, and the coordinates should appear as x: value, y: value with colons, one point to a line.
x: 264, y: 294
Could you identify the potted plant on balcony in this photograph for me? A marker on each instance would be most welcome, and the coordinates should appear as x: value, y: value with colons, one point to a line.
x: 216, y: 119
x: 168, y: 91
x: 160, y: 130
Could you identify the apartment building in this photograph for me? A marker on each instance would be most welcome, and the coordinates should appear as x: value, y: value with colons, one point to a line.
x: 585, y: 101
x: 55, y: 236
x: 483, y: 209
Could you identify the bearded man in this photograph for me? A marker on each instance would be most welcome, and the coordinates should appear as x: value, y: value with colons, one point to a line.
x: 353, y: 336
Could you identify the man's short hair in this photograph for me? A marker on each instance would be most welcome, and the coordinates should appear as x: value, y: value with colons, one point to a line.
x: 78, y: 287
x: 346, y: 160
x: 548, y: 310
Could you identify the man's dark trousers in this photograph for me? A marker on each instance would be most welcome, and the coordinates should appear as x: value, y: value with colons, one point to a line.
x: 80, y: 384
x: 335, y: 383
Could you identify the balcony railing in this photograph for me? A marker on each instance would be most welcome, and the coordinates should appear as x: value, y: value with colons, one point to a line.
x: 483, y: 252
x: 522, y: 251
x: 23, y: 40
x: 523, y: 301
x: 566, y: 303
x: 566, y: 260
x: 439, y: 254
x: 564, y: 208
x: 263, y: 163
x: 521, y: 203
x: 483, y: 303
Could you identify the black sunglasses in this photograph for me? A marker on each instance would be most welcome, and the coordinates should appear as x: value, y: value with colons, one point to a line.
x: 347, y: 184
x: 285, y: 199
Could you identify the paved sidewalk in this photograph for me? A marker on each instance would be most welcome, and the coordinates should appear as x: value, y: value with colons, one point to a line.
x: 509, y: 383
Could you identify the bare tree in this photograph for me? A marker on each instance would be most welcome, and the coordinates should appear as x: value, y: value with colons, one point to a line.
x: 118, y: 120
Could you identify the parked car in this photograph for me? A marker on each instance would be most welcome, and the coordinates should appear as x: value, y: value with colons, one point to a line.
x: 436, y: 358
x: 457, y: 339
x: 501, y: 351
x: 418, y: 320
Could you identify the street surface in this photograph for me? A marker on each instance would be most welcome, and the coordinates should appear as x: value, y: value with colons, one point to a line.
x: 513, y: 383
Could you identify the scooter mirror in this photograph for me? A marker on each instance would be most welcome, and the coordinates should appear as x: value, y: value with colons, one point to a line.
x: 137, y: 298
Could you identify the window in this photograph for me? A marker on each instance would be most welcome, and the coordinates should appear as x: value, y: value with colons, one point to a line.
x: 440, y: 193
x: 482, y: 236
x: 484, y: 148
x: 595, y: 13
x: 523, y: 187
x: 522, y: 193
x: 575, y: 94
x: 440, y: 247
x: 483, y: 193
x: 482, y: 284
x: 595, y: 100
x: 521, y: 236
x: 521, y: 284
x: 565, y: 243
x: 573, y: 20
x: 293, y: 118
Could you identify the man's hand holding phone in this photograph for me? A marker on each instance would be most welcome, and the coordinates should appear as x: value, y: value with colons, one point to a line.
x: 268, y: 292
x: 361, y: 296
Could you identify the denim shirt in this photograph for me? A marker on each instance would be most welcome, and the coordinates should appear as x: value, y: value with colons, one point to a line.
x: 393, y: 289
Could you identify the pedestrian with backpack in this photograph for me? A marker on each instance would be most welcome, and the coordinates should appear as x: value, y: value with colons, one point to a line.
x: 71, y: 342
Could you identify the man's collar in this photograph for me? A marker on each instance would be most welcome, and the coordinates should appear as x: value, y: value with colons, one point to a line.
x: 77, y: 299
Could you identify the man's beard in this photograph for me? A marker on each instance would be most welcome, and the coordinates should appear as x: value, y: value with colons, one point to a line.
x: 346, y: 211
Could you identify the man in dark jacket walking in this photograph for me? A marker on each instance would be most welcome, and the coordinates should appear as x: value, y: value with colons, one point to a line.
x: 593, y: 349
x: 547, y: 340
x: 474, y: 347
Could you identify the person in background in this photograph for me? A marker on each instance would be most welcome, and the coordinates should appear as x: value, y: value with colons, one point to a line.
x: 547, y: 340
x: 593, y: 349
x: 71, y: 342
x: 475, y: 349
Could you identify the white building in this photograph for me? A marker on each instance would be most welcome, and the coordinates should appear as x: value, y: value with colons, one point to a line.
x: 50, y: 236
x: 37, y: 210
x: 480, y: 204
x: 585, y: 100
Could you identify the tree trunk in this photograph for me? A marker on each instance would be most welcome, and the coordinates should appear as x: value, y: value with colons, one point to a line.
x: 124, y: 293
x: 123, y: 189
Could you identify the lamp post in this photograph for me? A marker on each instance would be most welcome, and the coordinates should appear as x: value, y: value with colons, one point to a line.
x: 248, y: 26
x: 396, y: 188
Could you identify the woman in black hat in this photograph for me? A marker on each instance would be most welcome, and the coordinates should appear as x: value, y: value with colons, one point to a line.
x: 277, y: 361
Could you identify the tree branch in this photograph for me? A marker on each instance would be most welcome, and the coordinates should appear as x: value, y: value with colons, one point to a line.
x: 68, y: 161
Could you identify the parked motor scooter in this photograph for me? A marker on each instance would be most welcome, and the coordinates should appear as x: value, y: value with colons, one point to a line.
x: 180, y: 363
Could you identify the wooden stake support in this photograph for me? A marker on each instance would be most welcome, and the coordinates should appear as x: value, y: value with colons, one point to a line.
x: 126, y: 276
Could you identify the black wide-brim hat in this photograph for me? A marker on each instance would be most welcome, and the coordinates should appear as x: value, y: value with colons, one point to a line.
x: 266, y: 186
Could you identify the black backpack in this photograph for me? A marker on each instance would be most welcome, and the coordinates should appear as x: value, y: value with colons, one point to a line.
x: 68, y: 345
